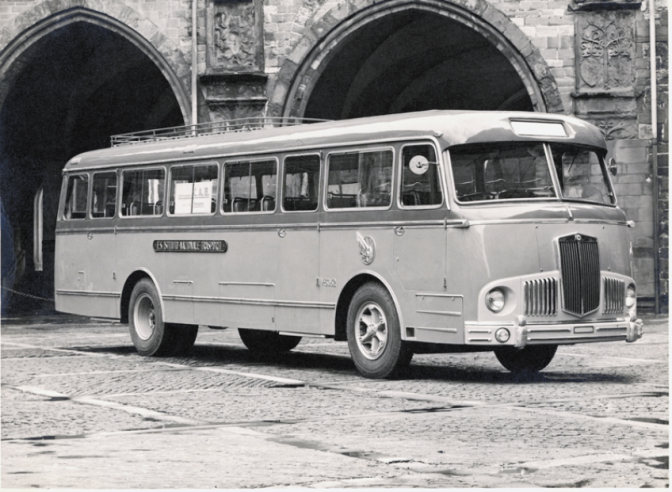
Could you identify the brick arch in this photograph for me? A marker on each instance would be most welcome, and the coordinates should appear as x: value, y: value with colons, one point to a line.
x: 22, y: 33
x: 329, y: 27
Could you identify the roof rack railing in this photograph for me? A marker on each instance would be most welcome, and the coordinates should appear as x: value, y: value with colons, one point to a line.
x: 216, y: 128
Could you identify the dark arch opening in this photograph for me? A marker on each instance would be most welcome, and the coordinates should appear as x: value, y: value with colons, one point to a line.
x: 414, y: 60
x: 77, y: 86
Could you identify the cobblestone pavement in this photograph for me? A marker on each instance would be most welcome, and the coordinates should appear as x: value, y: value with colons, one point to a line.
x: 81, y: 409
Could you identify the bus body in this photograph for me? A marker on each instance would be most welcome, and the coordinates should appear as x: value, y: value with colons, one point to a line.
x: 434, y: 231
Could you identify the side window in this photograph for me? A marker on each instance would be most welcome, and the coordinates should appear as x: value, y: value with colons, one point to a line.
x: 143, y: 192
x: 582, y: 175
x: 301, y: 183
x: 193, y: 189
x: 75, y: 197
x: 360, y: 179
x: 421, y: 181
x: 104, y: 197
x: 250, y: 186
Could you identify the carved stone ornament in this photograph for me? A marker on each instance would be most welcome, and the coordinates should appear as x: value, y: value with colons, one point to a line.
x: 234, y: 36
x: 605, y: 5
x: 616, y: 128
x: 605, y: 51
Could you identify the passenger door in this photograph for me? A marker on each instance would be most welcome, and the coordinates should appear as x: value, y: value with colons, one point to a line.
x: 420, y: 239
x: 298, y: 293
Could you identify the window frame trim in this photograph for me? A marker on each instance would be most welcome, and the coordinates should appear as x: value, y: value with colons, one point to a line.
x: 117, y: 212
x: 169, y: 181
x: 442, y: 178
x: 322, y: 164
x: 356, y: 150
x: 225, y: 162
x: 88, y: 192
x: 121, y: 191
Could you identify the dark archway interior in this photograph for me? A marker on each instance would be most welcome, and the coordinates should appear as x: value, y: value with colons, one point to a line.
x: 412, y: 61
x: 76, y: 87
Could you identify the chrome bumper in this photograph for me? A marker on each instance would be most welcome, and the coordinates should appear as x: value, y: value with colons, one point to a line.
x: 523, y: 334
x: 629, y: 331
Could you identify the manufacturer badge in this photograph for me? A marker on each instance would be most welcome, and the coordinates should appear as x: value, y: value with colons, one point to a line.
x: 367, y: 249
x: 578, y: 237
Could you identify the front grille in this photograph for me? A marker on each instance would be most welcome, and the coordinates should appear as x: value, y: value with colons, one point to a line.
x: 580, y: 267
x: 614, y: 295
x: 541, y: 297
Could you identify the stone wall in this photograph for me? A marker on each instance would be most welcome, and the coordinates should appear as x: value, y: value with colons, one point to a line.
x: 596, y: 52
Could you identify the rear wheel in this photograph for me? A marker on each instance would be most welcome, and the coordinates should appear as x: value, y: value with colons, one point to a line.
x: 374, y: 334
x: 270, y: 342
x: 150, y: 334
x: 529, y: 359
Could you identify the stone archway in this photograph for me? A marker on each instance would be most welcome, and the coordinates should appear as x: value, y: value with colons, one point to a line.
x: 71, y: 74
x: 330, y: 71
x: 21, y: 35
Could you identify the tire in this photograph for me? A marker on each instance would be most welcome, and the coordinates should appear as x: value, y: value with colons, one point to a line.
x: 530, y: 359
x: 267, y: 342
x: 150, y: 334
x: 374, y: 333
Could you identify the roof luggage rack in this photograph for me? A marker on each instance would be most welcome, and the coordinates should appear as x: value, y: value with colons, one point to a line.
x: 216, y: 128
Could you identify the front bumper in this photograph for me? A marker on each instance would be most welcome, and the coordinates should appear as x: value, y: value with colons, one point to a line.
x: 523, y: 334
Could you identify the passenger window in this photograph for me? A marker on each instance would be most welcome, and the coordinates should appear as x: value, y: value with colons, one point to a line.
x: 103, y: 200
x: 75, y: 198
x: 143, y: 192
x: 193, y: 189
x: 250, y: 186
x: 360, y: 179
x: 421, y: 181
x: 301, y: 183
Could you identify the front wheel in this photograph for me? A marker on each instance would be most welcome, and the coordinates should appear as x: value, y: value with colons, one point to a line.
x: 374, y: 333
x: 268, y: 342
x: 529, y: 359
x: 150, y: 334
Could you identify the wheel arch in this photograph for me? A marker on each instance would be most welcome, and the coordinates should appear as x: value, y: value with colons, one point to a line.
x: 130, y: 283
x: 346, y: 295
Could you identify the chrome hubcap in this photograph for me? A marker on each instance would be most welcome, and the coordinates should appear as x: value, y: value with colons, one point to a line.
x: 144, y: 317
x: 372, y: 331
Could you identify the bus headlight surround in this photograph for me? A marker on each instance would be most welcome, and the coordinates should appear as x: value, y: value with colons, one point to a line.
x: 502, y: 335
x: 495, y: 300
x: 630, y: 296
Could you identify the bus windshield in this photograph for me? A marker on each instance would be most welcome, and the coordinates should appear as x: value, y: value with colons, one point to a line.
x: 509, y: 171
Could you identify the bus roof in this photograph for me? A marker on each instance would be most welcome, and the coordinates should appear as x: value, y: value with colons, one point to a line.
x: 447, y: 127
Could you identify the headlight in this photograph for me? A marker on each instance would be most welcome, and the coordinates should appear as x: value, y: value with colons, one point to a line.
x: 495, y: 300
x: 630, y: 296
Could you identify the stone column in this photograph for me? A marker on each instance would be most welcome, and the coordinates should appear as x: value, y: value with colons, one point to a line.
x: 234, y: 82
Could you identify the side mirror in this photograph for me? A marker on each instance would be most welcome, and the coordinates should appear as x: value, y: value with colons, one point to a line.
x: 612, y: 166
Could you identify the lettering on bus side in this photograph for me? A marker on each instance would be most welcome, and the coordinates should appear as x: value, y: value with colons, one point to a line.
x: 190, y: 246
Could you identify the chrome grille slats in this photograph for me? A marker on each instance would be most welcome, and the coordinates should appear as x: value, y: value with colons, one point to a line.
x: 580, y: 268
x: 541, y: 297
x: 614, y: 295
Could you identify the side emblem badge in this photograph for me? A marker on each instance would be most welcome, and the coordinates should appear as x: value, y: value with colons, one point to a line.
x: 367, y: 249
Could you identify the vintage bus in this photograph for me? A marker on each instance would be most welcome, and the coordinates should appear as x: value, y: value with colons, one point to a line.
x: 438, y: 231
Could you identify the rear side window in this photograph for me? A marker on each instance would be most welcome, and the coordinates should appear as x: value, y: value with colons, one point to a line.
x: 103, y: 199
x: 250, y: 186
x: 75, y: 197
x: 193, y: 189
x: 143, y: 192
x: 421, y: 181
x: 360, y: 179
x: 301, y: 183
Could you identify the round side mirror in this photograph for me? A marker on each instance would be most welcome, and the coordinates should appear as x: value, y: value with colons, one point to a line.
x: 613, y: 169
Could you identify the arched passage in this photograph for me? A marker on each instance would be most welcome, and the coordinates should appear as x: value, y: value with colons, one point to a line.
x: 401, y: 55
x: 69, y: 82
